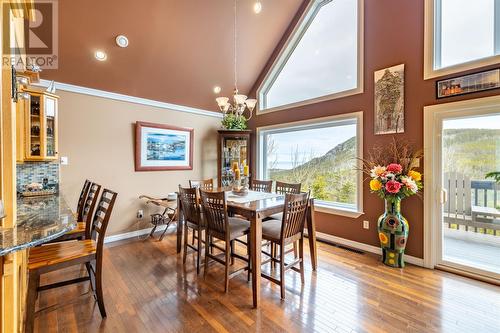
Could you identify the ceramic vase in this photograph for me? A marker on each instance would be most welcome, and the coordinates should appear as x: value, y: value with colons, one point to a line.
x: 393, y: 234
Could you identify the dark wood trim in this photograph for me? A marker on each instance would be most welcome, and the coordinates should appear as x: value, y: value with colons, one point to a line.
x: 138, y: 147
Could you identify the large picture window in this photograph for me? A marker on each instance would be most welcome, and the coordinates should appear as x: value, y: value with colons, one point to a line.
x: 461, y: 35
x: 322, y: 155
x: 321, y: 60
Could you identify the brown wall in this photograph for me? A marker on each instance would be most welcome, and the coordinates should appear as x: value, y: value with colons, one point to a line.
x: 394, y: 34
x: 97, y: 135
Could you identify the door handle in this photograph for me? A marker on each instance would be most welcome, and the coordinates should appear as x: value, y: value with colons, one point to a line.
x: 443, y: 196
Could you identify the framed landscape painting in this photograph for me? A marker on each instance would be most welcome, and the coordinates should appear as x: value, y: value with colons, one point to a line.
x: 162, y: 147
x: 390, y: 100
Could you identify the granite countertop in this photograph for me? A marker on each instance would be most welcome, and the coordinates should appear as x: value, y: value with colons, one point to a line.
x: 39, y: 220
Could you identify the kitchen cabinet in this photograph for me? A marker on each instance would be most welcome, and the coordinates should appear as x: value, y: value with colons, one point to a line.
x: 38, y: 127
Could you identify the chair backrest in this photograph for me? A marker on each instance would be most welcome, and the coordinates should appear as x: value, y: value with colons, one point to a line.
x: 285, y: 188
x: 101, y: 218
x: 190, y: 202
x: 294, y: 214
x: 215, y: 212
x: 261, y: 185
x: 206, y: 184
x: 81, y: 199
x: 88, y: 207
x: 459, y: 201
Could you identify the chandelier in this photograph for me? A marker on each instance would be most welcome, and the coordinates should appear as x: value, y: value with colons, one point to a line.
x: 239, y: 103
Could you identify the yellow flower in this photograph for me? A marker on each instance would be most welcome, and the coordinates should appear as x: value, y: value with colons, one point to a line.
x: 417, y: 176
x: 375, y: 185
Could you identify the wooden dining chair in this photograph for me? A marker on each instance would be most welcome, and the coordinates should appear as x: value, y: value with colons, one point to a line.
x: 53, y: 257
x: 284, y: 188
x: 287, y: 231
x: 225, y: 228
x: 193, y: 219
x: 205, y: 184
x: 83, y: 226
x: 261, y: 185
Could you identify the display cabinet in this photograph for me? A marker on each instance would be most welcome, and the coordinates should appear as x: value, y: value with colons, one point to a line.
x: 234, y: 147
x: 38, y: 141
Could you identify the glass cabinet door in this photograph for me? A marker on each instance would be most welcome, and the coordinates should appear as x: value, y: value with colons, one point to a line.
x: 34, y: 135
x: 234, y: 150
x: 50, y: 114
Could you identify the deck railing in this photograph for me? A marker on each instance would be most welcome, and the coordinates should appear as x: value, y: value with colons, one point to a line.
x: 485, y: 193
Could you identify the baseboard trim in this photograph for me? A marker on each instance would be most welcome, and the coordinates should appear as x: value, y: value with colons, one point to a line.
x: 319, y: 236
x: 364, y: 247
x: 131, y: 234
x: 126, y: 98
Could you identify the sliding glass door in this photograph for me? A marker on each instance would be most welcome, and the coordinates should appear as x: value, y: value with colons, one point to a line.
x: 470, y: 228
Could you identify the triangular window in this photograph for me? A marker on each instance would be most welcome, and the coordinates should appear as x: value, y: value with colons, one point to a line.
x: 321, y: 59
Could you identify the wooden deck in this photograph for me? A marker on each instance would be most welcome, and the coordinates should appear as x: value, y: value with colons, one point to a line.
x: 472, y: 249
x: 147, y: 289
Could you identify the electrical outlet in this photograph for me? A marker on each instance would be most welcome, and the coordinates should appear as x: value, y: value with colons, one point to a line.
x: 366, y: 224
x: 140, y: 214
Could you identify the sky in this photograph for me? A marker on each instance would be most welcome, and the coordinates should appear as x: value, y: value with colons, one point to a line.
x: 487, y: 122
x: 315, y: 142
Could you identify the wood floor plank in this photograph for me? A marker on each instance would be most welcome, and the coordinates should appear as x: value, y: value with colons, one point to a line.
x: 148, y: 289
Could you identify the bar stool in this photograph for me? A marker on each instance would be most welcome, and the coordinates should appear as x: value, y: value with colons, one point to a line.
x: 52, y: 257
x: 84, y: 223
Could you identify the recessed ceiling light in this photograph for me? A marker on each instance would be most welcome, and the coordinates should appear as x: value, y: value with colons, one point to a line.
x: 122, y: 41
x: 217, y: 89
x: 257, y: 7
x: 100, y: 55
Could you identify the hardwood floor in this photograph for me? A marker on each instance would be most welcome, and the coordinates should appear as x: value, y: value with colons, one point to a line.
x: 146, y: 289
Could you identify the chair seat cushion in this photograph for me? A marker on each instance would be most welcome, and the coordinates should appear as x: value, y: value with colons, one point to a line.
x: 271, y: 230
x: 52, y: 254
x: 238, y: 227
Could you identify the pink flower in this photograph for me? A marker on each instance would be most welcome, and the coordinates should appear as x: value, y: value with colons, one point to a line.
x: 393, y: 186
x: 394, y: 168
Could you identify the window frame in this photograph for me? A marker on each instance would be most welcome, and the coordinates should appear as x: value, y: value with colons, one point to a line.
x: 322, y: 122
x: 432, y: 30
x: 286, y: 51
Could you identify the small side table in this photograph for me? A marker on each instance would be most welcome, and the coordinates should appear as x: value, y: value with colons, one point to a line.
x: 168, y: 216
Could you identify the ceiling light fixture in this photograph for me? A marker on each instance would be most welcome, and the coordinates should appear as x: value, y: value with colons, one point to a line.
x: 240, y: 103
x: 121, y: 41
x: 217, y: 89
x: 100, y: 55
x: 257, y: 7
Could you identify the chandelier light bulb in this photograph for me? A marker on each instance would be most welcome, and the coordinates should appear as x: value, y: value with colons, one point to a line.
x: 257, y: 7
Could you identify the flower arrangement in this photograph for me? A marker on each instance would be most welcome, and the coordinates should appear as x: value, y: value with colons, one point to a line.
x: 392, y: 171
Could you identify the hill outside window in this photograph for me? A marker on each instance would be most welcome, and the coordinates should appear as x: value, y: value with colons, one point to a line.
x: 321, y: 154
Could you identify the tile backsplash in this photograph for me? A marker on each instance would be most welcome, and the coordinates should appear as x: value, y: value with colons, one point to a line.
x: 35, y: 172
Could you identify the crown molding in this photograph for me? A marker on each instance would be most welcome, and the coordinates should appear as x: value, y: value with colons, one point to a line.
x: 127, y: 98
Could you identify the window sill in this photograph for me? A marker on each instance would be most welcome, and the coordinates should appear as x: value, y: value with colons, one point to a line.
x: 322, y: 208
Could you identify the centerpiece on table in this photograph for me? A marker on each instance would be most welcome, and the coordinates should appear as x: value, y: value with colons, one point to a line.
x: 393, y: 178
x: 240, y: 179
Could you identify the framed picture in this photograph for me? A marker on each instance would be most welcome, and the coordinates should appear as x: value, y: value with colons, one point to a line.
x: 468, y: 84
x: 390, y: 100
x: 163, y: 147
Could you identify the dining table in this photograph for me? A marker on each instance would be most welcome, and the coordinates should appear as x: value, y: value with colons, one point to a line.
x: 256, y: 207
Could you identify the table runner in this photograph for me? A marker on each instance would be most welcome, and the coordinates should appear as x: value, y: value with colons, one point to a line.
x: 251, y: 196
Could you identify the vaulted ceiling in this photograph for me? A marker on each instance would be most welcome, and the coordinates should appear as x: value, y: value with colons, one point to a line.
x: 179, y: 49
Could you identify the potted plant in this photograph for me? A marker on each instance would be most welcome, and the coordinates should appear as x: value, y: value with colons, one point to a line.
x: 393, y: 177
